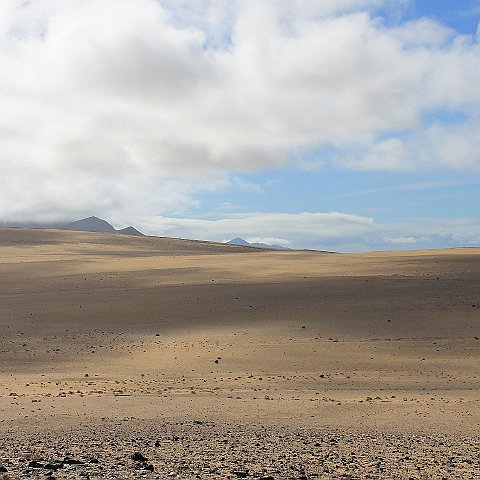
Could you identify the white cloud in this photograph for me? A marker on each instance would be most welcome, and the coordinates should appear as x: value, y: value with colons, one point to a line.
x: 401, y: 240
x: 436, y: 146
x: 124, y: 106
x: 424, y: 32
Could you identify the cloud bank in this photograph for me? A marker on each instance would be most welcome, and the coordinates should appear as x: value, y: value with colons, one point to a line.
x: 130, y: 107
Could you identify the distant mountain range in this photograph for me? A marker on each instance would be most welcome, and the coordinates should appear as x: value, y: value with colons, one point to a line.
x: 244, y: 243
x: 95, y: 224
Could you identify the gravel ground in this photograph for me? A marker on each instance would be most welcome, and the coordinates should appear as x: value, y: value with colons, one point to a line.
x: 197, y: 449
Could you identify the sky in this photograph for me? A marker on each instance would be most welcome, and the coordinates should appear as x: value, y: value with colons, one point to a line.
x: 346, y: 125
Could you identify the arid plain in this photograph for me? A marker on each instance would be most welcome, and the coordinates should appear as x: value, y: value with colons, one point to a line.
x: 214, y: 360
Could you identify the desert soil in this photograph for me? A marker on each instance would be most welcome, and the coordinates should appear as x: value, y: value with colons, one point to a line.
x: 130, y: 357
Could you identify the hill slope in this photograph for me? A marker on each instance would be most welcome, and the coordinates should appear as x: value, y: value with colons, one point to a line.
x: 111, y: 242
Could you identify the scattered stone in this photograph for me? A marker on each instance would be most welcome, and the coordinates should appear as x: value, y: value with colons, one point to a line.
x: 240, y: 474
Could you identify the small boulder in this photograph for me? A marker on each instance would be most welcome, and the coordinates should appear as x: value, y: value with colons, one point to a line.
x: 240, y: 474
x: 138, y: 457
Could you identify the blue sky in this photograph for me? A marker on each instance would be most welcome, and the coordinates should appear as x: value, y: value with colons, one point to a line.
x: 461, y: 15
x: 346, y: 125
x: 382, y: 195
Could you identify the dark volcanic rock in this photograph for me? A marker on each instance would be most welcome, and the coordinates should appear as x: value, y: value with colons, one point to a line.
x: 53, y: 466
x: 138, y: 457
x: 240, y: 474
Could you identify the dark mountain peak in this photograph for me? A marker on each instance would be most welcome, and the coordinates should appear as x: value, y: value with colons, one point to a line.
x: 95, y: 224
x: 130, y: 231
x: 90, y: 224
x: 239, y: 241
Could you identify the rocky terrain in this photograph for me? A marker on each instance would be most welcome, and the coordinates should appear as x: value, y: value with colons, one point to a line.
x: 198, y: 449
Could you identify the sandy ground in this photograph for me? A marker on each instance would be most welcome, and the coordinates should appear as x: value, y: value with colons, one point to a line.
x: 110, y: 339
